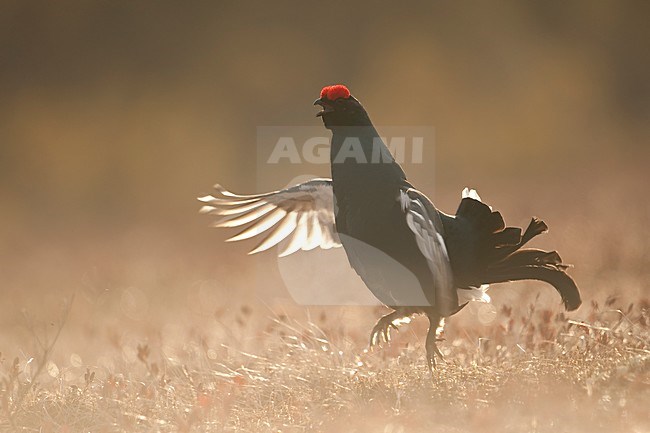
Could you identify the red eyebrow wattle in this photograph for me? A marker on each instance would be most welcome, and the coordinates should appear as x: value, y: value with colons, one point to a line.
x: 323, y: 93
x: 335, y: 92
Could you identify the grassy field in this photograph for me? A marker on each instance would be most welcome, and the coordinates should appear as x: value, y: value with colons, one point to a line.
x: 140, y: 334
x: 533, y: 370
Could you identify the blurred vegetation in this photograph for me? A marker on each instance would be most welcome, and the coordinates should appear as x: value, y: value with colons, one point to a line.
x: 118, y: 113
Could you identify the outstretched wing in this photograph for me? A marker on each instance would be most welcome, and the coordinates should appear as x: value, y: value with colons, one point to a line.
x: 424, y: 221
x: 303, y: 214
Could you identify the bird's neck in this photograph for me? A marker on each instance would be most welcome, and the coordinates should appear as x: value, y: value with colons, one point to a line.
x: 361, y: 162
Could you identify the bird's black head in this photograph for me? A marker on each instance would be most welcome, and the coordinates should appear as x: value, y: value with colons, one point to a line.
x: 340, y: 108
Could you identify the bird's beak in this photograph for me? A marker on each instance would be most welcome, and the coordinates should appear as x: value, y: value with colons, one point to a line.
x: 326, y: 107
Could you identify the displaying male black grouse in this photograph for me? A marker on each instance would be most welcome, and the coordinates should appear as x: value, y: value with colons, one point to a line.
x: 414, y: 258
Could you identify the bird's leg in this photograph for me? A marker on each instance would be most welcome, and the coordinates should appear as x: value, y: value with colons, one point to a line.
x: 381, y: 330
x: 435, y: 328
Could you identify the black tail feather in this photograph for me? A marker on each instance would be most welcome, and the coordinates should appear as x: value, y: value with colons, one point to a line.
x: 499, y: 252
x: 510, y: 236
x: 498, y: 256
x: 481, y: 215
x: 535, y: 227
x: 531, y: 257
x: 550, y: 274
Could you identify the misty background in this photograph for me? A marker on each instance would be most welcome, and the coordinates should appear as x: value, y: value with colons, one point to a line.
x: 115, y: 116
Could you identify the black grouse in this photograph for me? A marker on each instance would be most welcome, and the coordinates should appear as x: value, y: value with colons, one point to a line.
x: 413, y: 257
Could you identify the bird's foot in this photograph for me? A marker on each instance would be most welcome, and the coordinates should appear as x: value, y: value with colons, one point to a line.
x: 433, y: 336
x: 381, y: 330
x: 432, y: 352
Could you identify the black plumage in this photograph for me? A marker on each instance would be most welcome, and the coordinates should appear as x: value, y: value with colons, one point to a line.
x: 414, y: 258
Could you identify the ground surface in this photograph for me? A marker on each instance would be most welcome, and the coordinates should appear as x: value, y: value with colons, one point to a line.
x: 536, y: 371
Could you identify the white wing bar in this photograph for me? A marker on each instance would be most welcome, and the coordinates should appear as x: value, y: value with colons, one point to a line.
x: 431, y: 244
